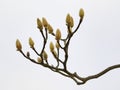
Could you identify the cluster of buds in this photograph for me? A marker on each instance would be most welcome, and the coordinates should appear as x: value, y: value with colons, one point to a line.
x: 69, y: 20
x: 45, y: 28
x: 42, y: 23
x: 45, y: 24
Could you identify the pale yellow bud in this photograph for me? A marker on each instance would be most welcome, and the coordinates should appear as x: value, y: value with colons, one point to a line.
x: 39, y: 60
x: 58, y: 35
x: 31, y: 42
x: 68, y: 19
x: 81, y: 13
x: 39, y: 24
x: 50, y: 29
x: 44, y: 22
x: 18, y: 45
x: 57, y: 45
x: 51, y: 46
x: 45, y: 56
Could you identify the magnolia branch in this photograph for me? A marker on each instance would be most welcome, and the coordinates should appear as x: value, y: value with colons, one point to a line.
x: 46, y: 29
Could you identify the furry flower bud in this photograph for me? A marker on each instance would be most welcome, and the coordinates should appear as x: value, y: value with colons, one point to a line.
x: 18, y: 45
x: 39, y: 24
x: 58, y: 35
x: 81, y: 13
x: 51, y: 46
x: 31, y: 42
x: 50, y: 29
x: 45, y: 56
x: 39, y: 60
x: 68, y: 19
x: 44, y: 22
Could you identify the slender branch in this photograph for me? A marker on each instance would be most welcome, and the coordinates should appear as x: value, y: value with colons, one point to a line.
x: 80, y: 21
x: 35, y: 51
x: 102, y: 72
x: 32, y: 60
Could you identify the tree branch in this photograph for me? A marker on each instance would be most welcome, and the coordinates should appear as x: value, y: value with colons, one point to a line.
x: 43, y: 57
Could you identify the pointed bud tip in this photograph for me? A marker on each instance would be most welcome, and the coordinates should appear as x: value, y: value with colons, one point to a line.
x: 68, y: 19
x: 39, y: 24
x: 58, y: 35
x: 31, y: 42
x: 18, y: 45
x: 50, y: 29
x: 81, y: 13
x: 44, y: 22
x: 51, y: 46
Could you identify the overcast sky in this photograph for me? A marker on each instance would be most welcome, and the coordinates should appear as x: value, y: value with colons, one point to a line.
x: 95, y: 46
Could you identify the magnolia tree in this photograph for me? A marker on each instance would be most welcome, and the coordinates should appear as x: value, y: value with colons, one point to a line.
x: 61, y: 45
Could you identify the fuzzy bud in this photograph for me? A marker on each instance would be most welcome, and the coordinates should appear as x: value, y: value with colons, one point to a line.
x: 39, y: 60
x: 18, y: 45
x: 57, y: 45
x: 50, y: 29
x: 51, y: 46
x: 81, y: 13
x: 45, y: 56
x: 44, y: 22
x: 31, y: 42
x: 39, y: 24
x: 58, y: 35
x: 68, y: 19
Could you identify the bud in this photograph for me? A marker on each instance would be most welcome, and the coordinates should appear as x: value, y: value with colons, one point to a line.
x: 44, y: 22
x: 58, y: 35
x: 57, y: 45
x: 39, y: 24
x: 51, y: 47
x: 50, y: 29
x: 45, y: 56
x: 39, y: 59
x: 28, y: 54
x: 31, y: 42
x: 81, y: 13
x: 68, y: 19
x: 18, y: 45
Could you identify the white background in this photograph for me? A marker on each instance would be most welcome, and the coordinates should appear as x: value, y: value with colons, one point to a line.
x: 95, y: 46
